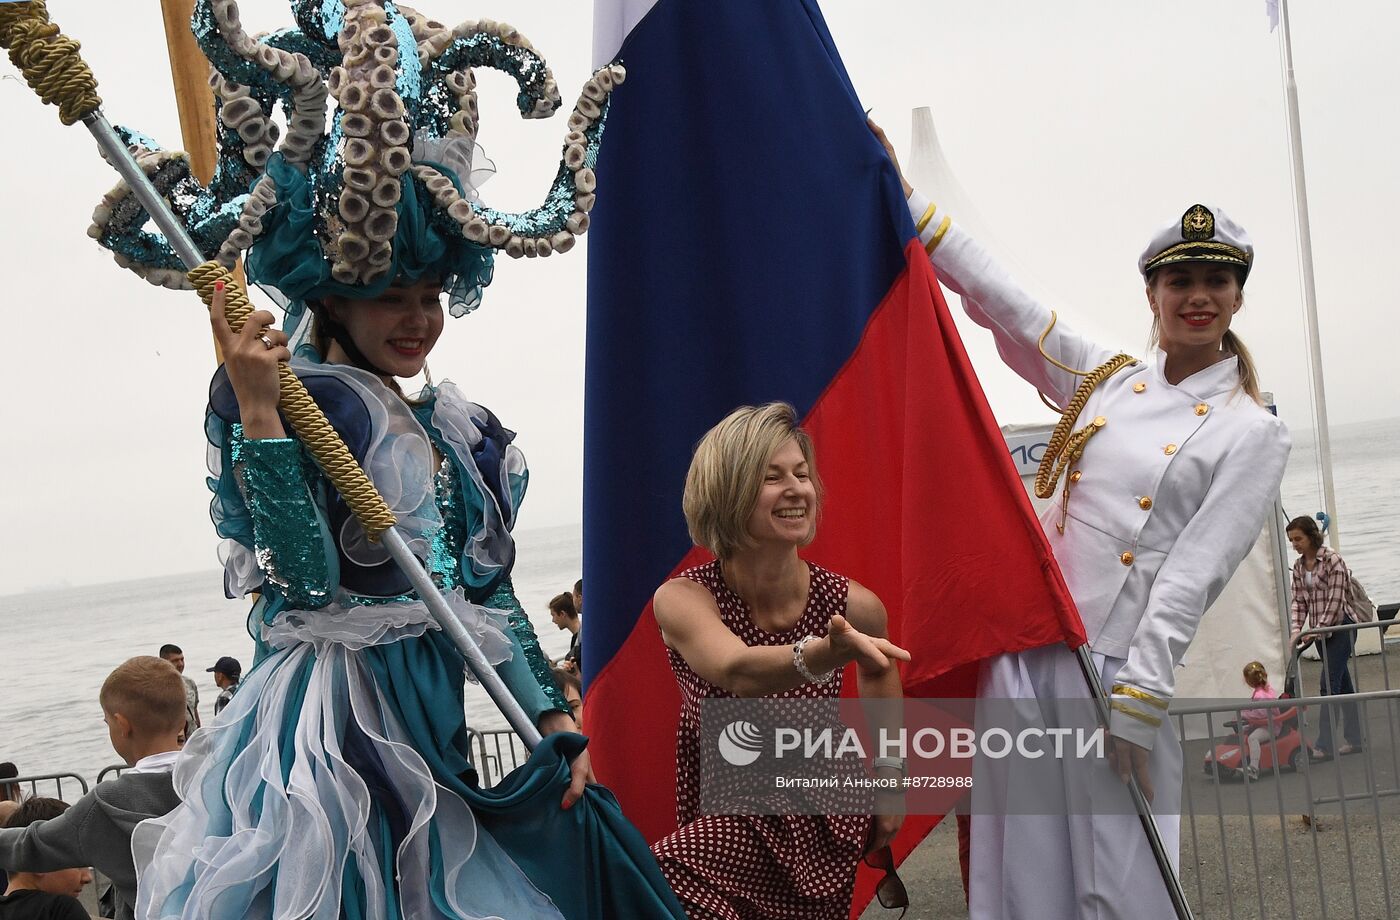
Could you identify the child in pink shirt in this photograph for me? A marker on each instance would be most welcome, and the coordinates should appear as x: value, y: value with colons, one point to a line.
x: 1260, y: 725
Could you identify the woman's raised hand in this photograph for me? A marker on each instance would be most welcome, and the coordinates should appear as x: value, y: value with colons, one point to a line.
x: 251, y: 357
x: 889, y: 149
x: 871, y: 654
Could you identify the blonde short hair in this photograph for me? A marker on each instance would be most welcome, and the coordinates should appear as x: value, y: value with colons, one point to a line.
x: 1255, y: 675
x: 149, y: 692
x: 727, y: 471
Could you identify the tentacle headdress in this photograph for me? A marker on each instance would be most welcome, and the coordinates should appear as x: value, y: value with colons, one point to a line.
x: 387, y: 191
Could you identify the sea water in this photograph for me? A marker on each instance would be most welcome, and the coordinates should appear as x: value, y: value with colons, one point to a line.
x: 58, y: 646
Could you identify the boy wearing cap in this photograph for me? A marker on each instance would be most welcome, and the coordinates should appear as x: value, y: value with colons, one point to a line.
x: 143, y: 704
x: 226, y: 673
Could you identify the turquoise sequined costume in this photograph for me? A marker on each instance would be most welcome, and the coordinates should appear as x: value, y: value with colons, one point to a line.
x: 337, y: 783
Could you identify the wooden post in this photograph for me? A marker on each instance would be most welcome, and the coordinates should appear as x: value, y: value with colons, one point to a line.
x: 189, y: 70
x: 194, y: 99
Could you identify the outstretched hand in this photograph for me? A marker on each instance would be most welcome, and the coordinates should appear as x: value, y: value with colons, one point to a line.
x: 889, y: 149
x: 872, y: 654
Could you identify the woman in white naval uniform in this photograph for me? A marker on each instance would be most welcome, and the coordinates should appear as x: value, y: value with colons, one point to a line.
x: 1168, y: 496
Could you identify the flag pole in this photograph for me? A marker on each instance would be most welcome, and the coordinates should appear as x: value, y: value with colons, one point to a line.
x: 1305, y: 257
x: 1144, y: 808
x: 194, y: 98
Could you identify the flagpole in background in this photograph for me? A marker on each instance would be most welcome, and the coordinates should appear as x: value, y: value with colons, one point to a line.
x: 1305, y: 256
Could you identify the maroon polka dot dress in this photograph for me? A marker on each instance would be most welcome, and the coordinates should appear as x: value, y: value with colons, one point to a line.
x: 758, y: 867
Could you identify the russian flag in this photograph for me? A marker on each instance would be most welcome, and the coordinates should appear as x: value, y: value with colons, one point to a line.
x: 752, y: 243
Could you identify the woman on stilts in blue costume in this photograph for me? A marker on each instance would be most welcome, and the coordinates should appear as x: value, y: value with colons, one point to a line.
x: 338, y: 783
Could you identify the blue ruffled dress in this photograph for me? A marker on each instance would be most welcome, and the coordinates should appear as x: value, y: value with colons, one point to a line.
x: 338, y: 782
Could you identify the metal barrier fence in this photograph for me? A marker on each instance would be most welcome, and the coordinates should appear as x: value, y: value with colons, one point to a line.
x: 112, y: 771
x: 1305, y: 838
x: 29, y: 785
x: 496, y: 753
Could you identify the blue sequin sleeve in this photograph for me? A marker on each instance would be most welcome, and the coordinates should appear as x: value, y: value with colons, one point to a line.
x: 527, y: 673
x: 290, y: 536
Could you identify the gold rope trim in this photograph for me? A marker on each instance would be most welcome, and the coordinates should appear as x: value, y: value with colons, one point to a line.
x: 923, y: 221
x: 305, y: 416
x: 1120, y: 706
x: 1066, y: 445
x: 1143, y: 695
x: 938, y: 235
x: 1198, y: 250
x: 49, y: 60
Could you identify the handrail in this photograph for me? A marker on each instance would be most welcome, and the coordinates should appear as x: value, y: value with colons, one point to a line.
x: 35, y: 778
x: 1284, y: 703
x: 115, y: 769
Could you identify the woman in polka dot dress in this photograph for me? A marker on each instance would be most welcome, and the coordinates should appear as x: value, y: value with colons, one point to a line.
x: 761, y: 622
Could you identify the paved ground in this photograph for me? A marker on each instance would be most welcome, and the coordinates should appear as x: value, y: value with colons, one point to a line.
x: 1276, y: 863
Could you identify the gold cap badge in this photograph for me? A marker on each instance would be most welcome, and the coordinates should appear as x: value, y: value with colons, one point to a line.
x: 1197, y: 223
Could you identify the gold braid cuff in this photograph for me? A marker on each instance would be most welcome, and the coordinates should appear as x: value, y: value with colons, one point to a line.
x: 938, y: 235
x: 923, y: 221
x: 1142, y: 695
x: 305, y: 417
x: 1120, y: 706
x: 49, y: 60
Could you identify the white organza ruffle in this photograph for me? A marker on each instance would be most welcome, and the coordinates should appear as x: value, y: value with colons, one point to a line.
x: 245, y: 842
x: 454, y: 416
x: 359, y: 626
x: 241, y: 573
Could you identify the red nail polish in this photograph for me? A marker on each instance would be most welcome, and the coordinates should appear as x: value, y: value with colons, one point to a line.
x: 218, y: 285
x: 567, y: 804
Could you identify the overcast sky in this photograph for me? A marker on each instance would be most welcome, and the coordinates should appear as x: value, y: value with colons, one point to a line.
x: 1077, y: 128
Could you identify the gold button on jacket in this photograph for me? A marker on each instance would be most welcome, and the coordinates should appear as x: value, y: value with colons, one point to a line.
x: 1169, y: 449
x: 1202, y: 409
x: 1126, y: 558
x: 1139, y: 387
x: 1145, y: 503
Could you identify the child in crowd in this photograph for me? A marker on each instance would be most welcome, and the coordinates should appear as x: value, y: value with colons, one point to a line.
x: 143, y: 704
x: 572, y: 687
x: 1260, y: 725
x: 9, y: 792
x: 43, y: 895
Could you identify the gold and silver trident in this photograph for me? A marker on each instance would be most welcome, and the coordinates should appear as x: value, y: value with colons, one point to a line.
x: 54, y: 69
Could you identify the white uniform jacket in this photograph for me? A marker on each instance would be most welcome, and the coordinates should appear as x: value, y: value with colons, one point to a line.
x: 1168, y: 499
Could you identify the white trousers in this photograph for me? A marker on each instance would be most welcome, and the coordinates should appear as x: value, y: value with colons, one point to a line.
x: 1093, y: 865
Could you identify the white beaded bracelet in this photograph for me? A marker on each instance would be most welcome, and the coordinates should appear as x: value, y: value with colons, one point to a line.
x: 801, y: 665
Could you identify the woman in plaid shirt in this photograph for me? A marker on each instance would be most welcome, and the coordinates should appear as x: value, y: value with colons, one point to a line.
x: 1321, y: 592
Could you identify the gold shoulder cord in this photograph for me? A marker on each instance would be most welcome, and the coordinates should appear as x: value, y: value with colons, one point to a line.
x: 1067, y: 446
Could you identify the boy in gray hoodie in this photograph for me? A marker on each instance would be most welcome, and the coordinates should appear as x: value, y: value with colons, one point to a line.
x: 143, y: 704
